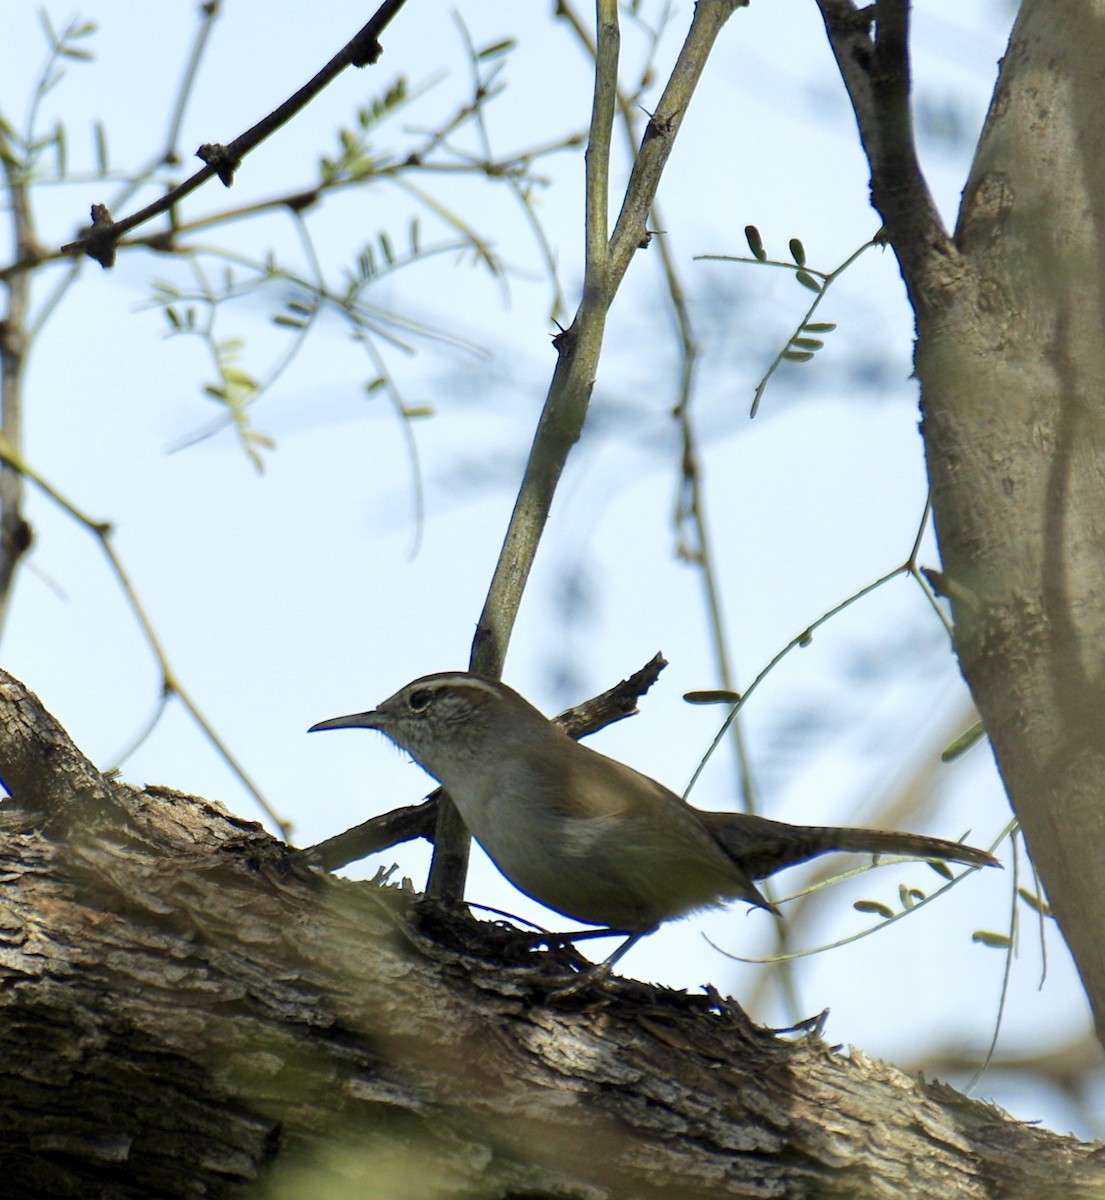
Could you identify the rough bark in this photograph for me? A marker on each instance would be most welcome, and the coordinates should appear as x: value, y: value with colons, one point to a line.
x: 191, y: 1010
x: 1011, y: 359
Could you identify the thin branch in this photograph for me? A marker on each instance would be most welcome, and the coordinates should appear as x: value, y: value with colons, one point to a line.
x: 579, y: 346
x: 799, y: 640
x: 691, y: 502
x: 557, y: 431
x: 361, y: 50
x: 376, y: 834
x: 102, y: 531
x: 798, y: 269
x: 517, y: 177
x: 873, y: 58
x: 579, y: 349
x: 631, y: 230
x: 15, y: 533
x: 414, y: 821
x: 208, y: 14
x: 597, y: 155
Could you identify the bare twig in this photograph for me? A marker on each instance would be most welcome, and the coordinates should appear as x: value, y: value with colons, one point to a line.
x: 874, y: 64
x: 615, y: 704
x: 361, y: 50
x: 579, y: 348
x: 580, y: 345
x: 378, y: 833
x: 15, y: 533
x: 171, y: 685
x: 420, y: 820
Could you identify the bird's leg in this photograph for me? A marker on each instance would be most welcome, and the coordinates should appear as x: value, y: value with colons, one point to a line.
x: 598, y: 973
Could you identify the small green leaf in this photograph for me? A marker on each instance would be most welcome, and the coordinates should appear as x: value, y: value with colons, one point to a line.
x: 963, y: 743
x: 796, y: 356
x: 998, y: 941
x: 495, y: 49
x: 798, y: 252
x: 712, y: 696
x: 288, y: 321
x: 755, y: 242
x: 374, y: 385
x: 806, y: 639
x: 1036, y: 903
x: 807, y: 281
x: 873, y: 906
x: 819, y: 326
x: 100, y: 135
x: 940, y: 867
x: 239, y: 378
x: 416, y: 411
x: 806, y: 343
x: 904, y: 896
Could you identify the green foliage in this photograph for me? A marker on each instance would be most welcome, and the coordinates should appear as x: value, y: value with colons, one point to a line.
x: 964, y: 742
x: 801, y: 346
x: 355, y: 161
x: 712, y: 696
x: 1035, y: 902
x: 755, y: 243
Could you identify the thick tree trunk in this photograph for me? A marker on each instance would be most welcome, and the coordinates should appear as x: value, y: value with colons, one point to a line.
x: 1011, y: 357
x: 190, y: 1010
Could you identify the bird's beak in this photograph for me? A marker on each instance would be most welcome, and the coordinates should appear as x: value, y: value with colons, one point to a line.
x: 365, y: 720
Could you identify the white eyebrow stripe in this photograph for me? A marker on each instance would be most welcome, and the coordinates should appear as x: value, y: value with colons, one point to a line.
x: 459, y: 680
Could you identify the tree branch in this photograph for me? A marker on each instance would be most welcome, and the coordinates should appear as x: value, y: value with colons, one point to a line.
x: 410, y: 822
x: 873, y: 57
x: 99, y: 241
x: 185, y: 1010
x: 15, y: 533
x: 579, y: 349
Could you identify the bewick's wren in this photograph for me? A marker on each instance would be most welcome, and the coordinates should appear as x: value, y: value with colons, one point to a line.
x: 588, y: 836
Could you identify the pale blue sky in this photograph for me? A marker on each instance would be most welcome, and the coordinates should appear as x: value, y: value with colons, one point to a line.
x: 293, y: 596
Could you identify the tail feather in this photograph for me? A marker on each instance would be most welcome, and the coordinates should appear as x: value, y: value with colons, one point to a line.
x: 761, y: 846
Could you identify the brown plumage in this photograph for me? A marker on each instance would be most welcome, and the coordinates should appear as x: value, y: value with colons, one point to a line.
x: 591, y: 837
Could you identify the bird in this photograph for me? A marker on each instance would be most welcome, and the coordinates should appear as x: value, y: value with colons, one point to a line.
x: 588, y: 836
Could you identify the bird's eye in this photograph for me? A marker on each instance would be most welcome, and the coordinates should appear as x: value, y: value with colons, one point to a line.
x: 421, y: 699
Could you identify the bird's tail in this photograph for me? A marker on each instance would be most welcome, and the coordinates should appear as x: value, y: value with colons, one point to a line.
x: 761, y: 846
